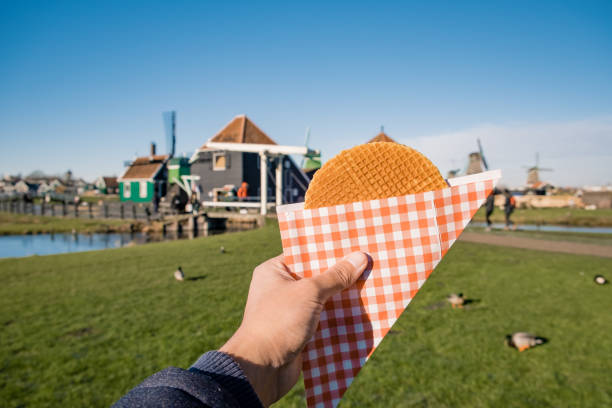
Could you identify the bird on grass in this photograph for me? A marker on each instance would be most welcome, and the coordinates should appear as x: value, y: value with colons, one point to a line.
x: 600, y: 280
x: 456, y: 300
x: 179, y: 275
x: 222, y: 250
x: 523, y: 341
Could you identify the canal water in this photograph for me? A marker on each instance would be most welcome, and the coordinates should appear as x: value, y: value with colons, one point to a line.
x: 48, y: 244
x: 549, y: 228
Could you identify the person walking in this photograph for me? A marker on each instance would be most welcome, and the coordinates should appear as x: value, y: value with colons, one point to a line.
x: 489, y: 207
x: 509, y: 206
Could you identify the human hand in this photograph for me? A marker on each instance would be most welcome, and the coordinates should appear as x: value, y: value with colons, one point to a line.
x: 280, y: 317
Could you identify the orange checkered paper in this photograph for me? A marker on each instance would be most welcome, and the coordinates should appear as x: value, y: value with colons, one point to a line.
x: 406, y: 238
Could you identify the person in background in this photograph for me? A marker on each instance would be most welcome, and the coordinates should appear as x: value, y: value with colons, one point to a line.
x: 489, y: 207
x: 155, y: 203
x: 509, y: 206
x: 195, y: 204
x: 262, y: 361
x: 243, y: 191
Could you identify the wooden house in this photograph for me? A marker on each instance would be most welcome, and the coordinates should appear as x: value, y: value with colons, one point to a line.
x: 107, y: 185
x: 218, y: 168
x: 26, y: 187
x: 177, y: 168
x: 43, y: 188
x: 145, y: 180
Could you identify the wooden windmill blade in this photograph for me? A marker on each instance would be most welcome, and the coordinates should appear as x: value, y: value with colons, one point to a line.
x: 482, y: 156
x: 311, y: 159
x: 169, y: 119
x: 306, y: 138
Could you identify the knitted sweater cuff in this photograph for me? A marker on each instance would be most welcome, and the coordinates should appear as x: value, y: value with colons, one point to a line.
x: 228, y: 374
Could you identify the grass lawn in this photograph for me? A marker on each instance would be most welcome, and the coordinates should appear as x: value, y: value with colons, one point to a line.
x: 556, y: 216
x: 86, y: 199
x: 82, y: 329
x: 581, y: 237
x: 108, y: 198
x: 13, y: 224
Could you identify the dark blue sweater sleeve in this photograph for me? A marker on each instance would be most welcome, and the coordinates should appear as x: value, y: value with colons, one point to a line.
x: 215, y: 380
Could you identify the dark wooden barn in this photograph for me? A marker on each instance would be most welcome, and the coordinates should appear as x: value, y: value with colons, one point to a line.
x: 220, y: 168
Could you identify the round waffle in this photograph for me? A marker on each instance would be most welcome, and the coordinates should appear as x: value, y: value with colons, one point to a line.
x: 371, y: 171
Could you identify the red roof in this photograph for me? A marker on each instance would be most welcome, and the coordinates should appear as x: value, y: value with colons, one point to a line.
x: 539, y: 185
x: 110, y: 182
x: 382, y: 137
x: 241, y: 130
x: 145, y: 167
x: 150, y: 159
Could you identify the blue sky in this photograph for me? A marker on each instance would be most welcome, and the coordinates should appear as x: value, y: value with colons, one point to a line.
x: 83, y: 84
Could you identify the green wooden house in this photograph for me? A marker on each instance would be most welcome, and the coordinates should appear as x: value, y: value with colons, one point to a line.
x: 145, y: 180
x: 177, y: 167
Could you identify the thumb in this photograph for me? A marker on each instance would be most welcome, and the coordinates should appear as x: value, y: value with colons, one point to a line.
x: 340, y: 276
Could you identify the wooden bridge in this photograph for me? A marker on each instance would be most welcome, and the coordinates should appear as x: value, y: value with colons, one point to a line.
x: 213, y: 220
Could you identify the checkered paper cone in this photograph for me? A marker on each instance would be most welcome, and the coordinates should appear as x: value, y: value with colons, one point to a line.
x: 405, y: 236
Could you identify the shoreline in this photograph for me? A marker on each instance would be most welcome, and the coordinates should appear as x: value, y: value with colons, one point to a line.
x: 25, y: 224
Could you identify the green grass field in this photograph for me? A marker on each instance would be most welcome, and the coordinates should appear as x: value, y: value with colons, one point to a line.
x: 110, y: 198
x: 82, y: 329
x: 14, y: 224
x: 553, y: 216
x: 85, y: 198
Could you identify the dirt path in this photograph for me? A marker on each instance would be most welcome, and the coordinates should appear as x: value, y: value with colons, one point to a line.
x: 537, y: 244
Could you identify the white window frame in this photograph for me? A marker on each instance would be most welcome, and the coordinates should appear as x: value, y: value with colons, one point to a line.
x: 214, y: 163
x: 127, y: 189
x: 142, y: 192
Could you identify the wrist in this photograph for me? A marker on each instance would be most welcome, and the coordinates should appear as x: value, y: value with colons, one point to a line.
x: 261, y: 374
x: 226, y: 371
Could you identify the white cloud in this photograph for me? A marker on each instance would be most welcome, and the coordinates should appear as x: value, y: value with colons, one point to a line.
x: 579, y: 152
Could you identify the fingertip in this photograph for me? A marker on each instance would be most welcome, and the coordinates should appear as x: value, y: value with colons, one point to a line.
x: 358, y: 259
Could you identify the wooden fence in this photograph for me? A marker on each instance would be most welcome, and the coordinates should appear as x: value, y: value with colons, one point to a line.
x: 118, y: 210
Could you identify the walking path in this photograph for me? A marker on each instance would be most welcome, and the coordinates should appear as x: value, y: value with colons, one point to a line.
x: 537, y: 244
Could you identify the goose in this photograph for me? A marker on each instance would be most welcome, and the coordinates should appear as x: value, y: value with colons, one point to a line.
x: 600, y: 280
x: 456, y: 300
x: 179, y: 275
x: 522, y: 341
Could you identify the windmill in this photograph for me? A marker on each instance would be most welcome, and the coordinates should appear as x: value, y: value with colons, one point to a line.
x: 176, y: 165
x: 484, y: 161
x: 170, y: 131
x: 476, y: 161
x: 311, y: 160
x: 533, y: 173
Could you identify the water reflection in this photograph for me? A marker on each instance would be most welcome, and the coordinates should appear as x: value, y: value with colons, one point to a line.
x: 48, y: 244
x: 549, y: 228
